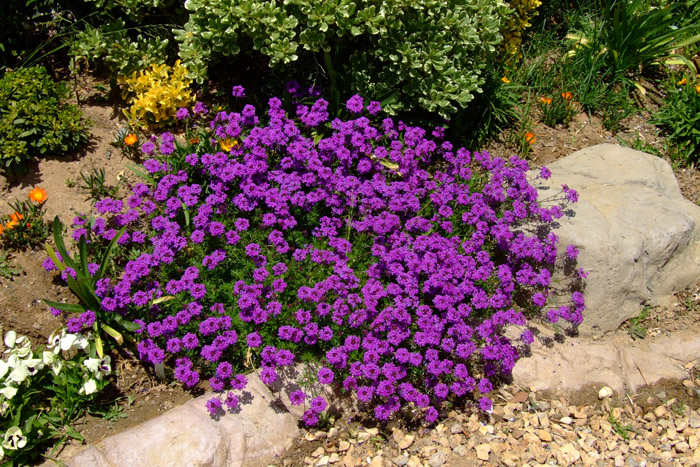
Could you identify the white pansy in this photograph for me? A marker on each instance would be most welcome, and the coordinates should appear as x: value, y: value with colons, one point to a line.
x: 52, y: 360
x: 89, y: 387
x: 19, y: 374
x: 14, y: 361
x: 98, y: 366
x: 3, y: 408
x: 14, y: 439
x: 8, y: 391
x: 4, y: 368
x: 10, y: 339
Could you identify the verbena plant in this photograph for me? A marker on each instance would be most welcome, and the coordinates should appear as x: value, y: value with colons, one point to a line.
x: 270, y: 239
x: 34, y: 119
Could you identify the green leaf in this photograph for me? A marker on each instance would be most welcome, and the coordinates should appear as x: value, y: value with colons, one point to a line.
x: 114, y: 333
x: 108, y: 253
x: 52, y: 254
x: 68, y: 307
x: 58, y: 239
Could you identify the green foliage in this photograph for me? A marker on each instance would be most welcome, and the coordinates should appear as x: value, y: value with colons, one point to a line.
x: 406, y: 54
x: 557, y: 110
x: 635, y: 329
x: 156, y: 94
x: 34, y: 119
x: 25, y: 227
x: 110, y: 45
x: 634, y: 36
x: 7, y: 270
x: 679, y: 116
x: 83, y: 286
x: 94, y: 185
x: 43, y: 391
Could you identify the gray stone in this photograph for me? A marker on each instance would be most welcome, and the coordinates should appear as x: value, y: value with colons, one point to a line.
x: 181, y: 436
x: 613, y: 361
x: 90, y: 457
x: 438, y: 459
x: 400, y: 460
x: 638, y: 238
x: 260, y: 428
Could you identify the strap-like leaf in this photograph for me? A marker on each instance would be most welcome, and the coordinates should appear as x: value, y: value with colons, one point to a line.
x: 68, y: 307
x: 108, y: 252
x: 58, y: 238
x: 52, y: 254
x: 114, y: 333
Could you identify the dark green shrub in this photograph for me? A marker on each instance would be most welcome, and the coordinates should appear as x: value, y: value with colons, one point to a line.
x: 34, y: 119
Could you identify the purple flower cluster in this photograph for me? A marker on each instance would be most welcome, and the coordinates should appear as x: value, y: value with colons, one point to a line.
x: 403, y: 275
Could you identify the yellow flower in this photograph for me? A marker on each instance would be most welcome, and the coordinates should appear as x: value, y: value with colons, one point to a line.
x: 697, y: 88
x: 546, y: 100
x: 505, y: 80
x: 38, y: 195
x: 683, y: 81
x: 131, y: 139
x: 530, y: 138
x: 227, y: 144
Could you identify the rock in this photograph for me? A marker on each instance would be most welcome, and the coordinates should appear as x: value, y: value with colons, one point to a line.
x: 90, y: 457
x: 605, y: 391
x: 567, y: 454
x: 437, y: 459
x: 460, y: 450
x: 636, y: 234
x: 179, y: 437
x: 400, y: 460
x: 406, y: 442
x: 343, y: 445
x: 482, y: 451
x: 694, y: 422
x: 611, y: 360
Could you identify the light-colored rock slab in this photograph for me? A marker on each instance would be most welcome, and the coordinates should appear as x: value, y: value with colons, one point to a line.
x: 90, y: 457
x: 638, y: 238
x: 614, y: 361
x: 258, y: 431
x: 182, y: 436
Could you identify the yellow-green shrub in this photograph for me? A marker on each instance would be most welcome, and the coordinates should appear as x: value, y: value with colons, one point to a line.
x: 155, y: 94
x: 515, y: 24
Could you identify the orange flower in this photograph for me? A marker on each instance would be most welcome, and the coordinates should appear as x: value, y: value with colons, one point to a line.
x: 38, y: 195
x: 505, y: 80
x: 194, y: 140
x: 697, y: 88
x: 546, y: 100
x: 16, y: 217
x: 131, y: 139
x: 567, y: 96
x: 683, y: 81
x: 1, y: 229
x: 530, y: 138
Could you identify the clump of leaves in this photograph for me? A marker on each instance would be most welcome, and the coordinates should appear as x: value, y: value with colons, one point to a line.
x: 635, y: 329
x: 25, y: 227
x: 7, y: 270
x: 35, y: 120
x: 94, y: 185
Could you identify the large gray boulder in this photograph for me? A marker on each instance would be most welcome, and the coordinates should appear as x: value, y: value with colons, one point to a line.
x: 638, y: 237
